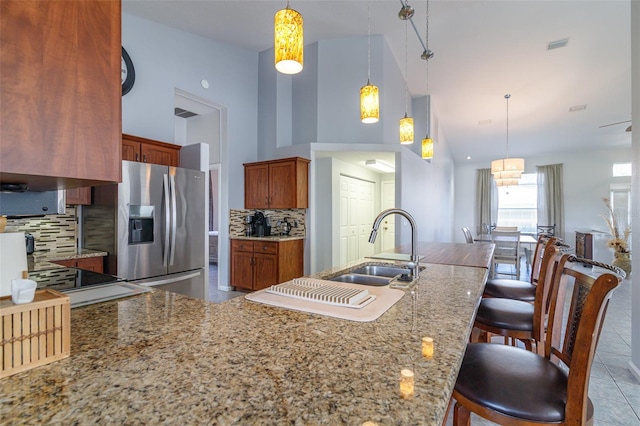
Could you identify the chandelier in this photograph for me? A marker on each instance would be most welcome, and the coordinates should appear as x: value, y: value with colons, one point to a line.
x: 506, y: 171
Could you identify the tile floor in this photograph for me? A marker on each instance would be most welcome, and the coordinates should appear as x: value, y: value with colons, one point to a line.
x: 614, y: 390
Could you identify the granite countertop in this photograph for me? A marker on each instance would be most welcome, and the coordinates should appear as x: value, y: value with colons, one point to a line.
x: 269, y: 238
x: 165, y: 358
x: 41, y: 260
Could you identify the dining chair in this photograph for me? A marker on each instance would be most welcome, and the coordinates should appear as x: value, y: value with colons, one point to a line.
x: 505, y: 228
x: 511, y: 386
x: 467, y: 235
x: 507, y: 250
x: 549, y: 230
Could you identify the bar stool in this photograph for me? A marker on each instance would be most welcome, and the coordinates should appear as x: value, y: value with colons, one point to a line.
x: 511, y: 386
x: 514, y: 288
x: 515, y: 319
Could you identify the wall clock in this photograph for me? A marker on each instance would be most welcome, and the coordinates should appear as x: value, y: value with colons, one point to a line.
x: 128, y: 73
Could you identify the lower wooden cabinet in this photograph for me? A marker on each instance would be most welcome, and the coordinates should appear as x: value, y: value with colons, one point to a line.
x: 94, y: 264
x: 259, y: 264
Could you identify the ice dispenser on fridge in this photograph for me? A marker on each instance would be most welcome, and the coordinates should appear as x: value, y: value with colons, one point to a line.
x: 140, y: 224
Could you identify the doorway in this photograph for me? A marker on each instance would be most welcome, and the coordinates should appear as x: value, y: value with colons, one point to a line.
x: 198, y: 120
x: 356, y: 218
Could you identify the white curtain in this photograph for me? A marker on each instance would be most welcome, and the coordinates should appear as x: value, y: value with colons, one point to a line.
x: 551, y: 197
x: 486, y: 206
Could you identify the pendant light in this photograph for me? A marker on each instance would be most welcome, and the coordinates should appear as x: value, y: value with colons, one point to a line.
x: 506, y: 171
x: 427, y: 142
x: 288, y: 41
x: 369, y: 99
x: 406, y: 123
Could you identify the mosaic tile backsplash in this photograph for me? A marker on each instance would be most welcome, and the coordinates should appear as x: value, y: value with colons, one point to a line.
x: 53, y: 232
x: 294, y: 216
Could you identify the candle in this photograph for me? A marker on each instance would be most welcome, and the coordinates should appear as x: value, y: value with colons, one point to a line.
x: 406, y: 384
x: 427, y: 347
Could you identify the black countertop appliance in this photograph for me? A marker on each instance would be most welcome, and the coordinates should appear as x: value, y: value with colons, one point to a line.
x: 261, y: 227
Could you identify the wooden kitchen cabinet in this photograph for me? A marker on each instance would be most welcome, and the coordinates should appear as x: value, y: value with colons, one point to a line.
x: 94, y: 264
x: 78, y: 196
x: 136, y: 148
x: 61, y: 92
x: 277, y: 184
x: 259, y: 264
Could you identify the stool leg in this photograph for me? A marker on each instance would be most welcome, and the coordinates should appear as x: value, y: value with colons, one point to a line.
x: 461, y: 415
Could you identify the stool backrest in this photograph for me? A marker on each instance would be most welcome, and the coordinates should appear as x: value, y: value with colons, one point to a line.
x: 579, y: 300
x: 467, y: 235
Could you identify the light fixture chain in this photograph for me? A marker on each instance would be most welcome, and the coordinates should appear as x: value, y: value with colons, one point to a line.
x: 427, y: 61
x: 406, y: 71
x: 369, y: 42
x: 507, y: 96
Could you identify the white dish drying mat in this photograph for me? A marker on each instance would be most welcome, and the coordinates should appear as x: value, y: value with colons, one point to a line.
x: 352, y: 302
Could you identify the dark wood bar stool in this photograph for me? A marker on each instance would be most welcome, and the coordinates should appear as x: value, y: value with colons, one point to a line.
x: 516, y: 319
x: 514, y: 288
x: 511, y: 386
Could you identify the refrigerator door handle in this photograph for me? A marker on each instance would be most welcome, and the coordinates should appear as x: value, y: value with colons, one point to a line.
x: 165, y: 248
x: 174, y: 228
x: 154, y: 282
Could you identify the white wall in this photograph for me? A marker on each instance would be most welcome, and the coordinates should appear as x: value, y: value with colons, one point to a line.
x: 587, y: 176
x: 635, y: 96
x: 165, y: 60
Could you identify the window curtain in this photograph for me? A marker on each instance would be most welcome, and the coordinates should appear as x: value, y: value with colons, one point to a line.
x: 551, y: 197
x: 486, y: 208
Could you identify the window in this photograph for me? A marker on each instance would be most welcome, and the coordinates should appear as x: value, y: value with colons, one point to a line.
x: 621, y: 169
x: 518, y: 206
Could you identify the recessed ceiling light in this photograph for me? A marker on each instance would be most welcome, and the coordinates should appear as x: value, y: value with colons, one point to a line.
x: 381, y: 166
x: 557, y: 44
x: 468, y: 157
x: 484, y: 122
x: 577, y: 108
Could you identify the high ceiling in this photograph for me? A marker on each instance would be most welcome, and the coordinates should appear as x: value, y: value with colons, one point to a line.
x: 483, y: 50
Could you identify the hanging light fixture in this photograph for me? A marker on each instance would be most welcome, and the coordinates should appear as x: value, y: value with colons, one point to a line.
x: 427, y: 142
x: 288, y: 41
x: 369, y: 99
x: 406, y: 123
x: 406, y: 12
x: 506, y: 171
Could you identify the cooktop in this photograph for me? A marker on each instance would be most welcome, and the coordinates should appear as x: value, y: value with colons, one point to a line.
x: 66, y: 279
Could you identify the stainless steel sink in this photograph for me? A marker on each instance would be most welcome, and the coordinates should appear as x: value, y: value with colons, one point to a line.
x: 372, y: 280
x: 381, y: 271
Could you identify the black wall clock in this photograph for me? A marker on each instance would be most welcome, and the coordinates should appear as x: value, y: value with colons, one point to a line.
x: 128, y: 73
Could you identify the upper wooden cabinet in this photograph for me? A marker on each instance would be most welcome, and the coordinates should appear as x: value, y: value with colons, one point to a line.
x: 135, y: 148
x: 61, y: 91
x: 277, y: 184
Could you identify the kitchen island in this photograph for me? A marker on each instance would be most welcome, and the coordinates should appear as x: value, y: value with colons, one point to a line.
x: 164, y: 358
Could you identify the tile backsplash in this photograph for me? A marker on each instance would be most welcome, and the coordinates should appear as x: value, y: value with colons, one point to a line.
x: 52, y: 232
x: 293, y: 216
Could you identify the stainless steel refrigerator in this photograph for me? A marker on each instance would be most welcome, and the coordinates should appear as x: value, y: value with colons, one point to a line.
x: 153, y: 226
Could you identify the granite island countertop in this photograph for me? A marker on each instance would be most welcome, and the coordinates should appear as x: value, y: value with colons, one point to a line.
x: 165, y: 358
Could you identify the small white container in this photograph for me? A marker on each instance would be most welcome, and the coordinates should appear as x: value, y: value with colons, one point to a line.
x: 23, y: 291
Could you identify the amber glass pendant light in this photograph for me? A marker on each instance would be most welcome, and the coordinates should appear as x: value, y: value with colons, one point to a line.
x: 406, y: 123
x: 369, y: 98
x: 288, y: 41
x: 427, y: 142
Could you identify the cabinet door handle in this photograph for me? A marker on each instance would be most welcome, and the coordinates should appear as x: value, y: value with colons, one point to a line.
x: 137, y: 157
x: 144, y: 158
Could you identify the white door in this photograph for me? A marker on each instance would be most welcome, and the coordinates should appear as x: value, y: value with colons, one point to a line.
x: 356, y: 218
x: 388, y: 231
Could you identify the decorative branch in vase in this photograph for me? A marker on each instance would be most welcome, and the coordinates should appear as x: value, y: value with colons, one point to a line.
x: 620, y: 241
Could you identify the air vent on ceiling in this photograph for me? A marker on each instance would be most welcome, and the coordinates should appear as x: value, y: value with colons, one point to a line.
x: 484, y: 122
x: 557, y: 44
x: 576, y: 108
x: 179, y: 112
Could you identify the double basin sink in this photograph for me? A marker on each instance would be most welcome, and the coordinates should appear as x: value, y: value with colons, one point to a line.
x: 376, y: 275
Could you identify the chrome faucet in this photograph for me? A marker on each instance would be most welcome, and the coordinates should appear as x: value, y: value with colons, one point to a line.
x: 414, y: 263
